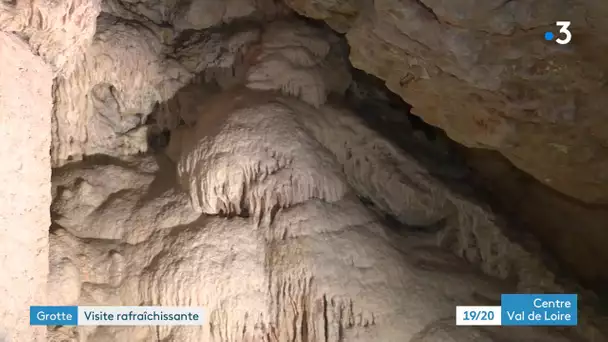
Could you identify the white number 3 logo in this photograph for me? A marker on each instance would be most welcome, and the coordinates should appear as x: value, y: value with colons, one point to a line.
x: 564, y: 29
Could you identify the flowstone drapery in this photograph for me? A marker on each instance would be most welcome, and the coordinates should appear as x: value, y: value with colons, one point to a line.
x: 259, y: 221
x: 283, y: 250
x: 274, y: 206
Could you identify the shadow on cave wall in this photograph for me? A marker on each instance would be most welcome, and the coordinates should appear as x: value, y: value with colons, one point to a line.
x: 570, y: 231
x: 573, y: 232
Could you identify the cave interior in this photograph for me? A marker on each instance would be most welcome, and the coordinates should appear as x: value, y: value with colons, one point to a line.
x: 305, y: 170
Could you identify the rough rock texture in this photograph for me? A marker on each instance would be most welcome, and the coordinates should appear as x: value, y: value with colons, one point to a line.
x: 102, y: 104
x: 287, y: 166
x: 276, y: 207
x: 134, y: 63
x: 483, y: 72
x: 574, y: 233
x: 317, y: 267
x: 58, y: 31
x: 266, y: 193
x: 25, y: 175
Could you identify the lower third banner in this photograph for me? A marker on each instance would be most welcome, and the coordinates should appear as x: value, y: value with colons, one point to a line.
x: 523, y: 310
x: 115, y: 315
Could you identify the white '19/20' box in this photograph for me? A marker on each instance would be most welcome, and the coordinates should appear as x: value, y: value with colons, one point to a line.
x: 478, y: 315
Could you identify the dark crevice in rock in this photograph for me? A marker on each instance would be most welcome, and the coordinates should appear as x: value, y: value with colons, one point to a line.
x: 157, y: 141
x: 526, y: 205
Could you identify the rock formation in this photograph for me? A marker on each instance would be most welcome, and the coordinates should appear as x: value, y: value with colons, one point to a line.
x: 280, y: 216
x: 26, y: 103
x: 210, y: 153
x: 539, y: 103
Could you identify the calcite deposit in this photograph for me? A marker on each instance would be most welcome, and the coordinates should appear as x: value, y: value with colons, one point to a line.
x: 272, y: 240
x: 221, y: 154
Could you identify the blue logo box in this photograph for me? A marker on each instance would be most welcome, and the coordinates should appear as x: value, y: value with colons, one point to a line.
x: 539, y: 309
x: 53, y: 315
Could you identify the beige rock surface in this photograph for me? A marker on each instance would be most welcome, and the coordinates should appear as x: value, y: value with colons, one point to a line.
x: 25, y: 175
x: 58, y: 31
x: 289, y: 257
x: 255, y: 213
x: 260, y: 223
x: 483, y: 72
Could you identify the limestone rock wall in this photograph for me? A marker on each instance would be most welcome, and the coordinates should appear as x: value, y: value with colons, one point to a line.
x: 481, y: 71
x: 58, y: 31
x: 277, y: 246
x: 259, y: 220
x: 25, y: 175
x: 265, y: 225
